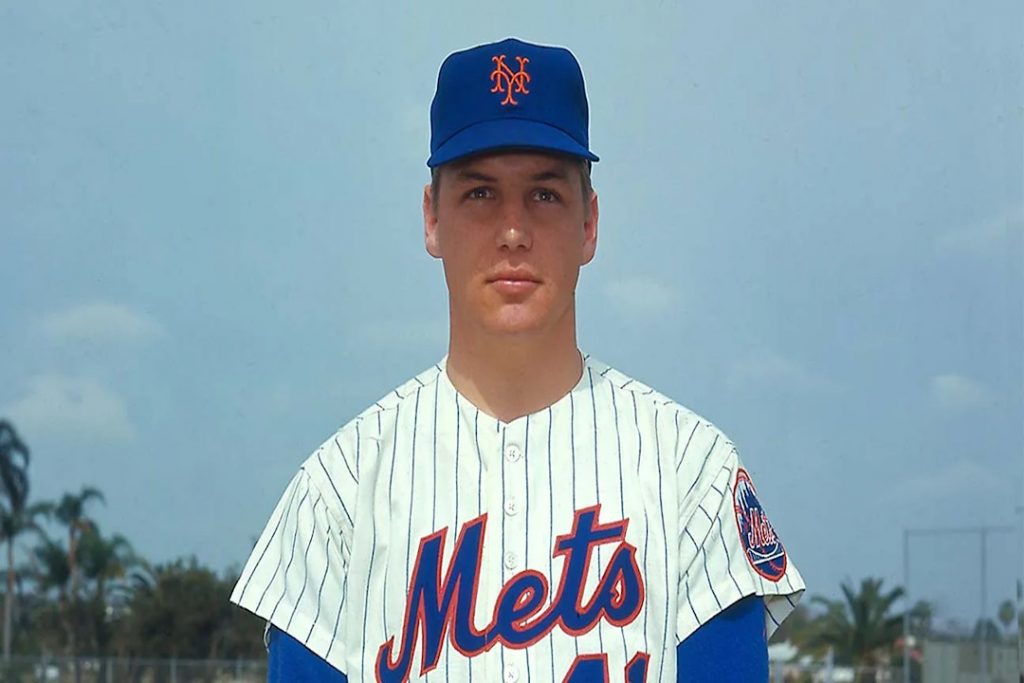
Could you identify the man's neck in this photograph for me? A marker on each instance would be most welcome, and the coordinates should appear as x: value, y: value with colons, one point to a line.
x: 508, y: 379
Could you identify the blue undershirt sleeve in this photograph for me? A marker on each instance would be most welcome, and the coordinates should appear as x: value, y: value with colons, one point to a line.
x: 730, y: 648
x: 289, y: 661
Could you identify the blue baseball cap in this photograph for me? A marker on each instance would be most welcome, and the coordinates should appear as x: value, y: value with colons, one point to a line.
x: 509, y: 94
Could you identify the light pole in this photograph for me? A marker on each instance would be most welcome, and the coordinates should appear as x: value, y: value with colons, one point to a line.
x: 983, y: 532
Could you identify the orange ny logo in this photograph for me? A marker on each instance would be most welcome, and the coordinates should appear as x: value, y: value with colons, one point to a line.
x: 507, y: 81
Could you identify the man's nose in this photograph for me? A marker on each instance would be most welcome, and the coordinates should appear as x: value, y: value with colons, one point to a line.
x: 514, y: 231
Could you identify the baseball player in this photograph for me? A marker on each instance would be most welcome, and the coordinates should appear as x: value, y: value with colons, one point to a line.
x: 518, y: 511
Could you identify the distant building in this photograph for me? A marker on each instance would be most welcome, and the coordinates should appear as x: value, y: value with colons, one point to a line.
x: 959, y: 662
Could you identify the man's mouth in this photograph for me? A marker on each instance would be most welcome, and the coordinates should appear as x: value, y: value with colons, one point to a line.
x: 513, y: 282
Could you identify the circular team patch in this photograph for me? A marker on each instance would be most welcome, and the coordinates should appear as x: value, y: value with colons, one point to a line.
x: 760, y: 543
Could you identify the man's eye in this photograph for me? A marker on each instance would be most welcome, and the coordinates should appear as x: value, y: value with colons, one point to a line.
x: 546, y: 196
x: 478, y: 193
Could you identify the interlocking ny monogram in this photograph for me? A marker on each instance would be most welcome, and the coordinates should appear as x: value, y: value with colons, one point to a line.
x: 508, y: 81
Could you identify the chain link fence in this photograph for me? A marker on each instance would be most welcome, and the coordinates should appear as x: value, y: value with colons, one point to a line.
x: 101, y: 670
x: 112, y: 670
x: 98, y: 670
x: 821, y: 673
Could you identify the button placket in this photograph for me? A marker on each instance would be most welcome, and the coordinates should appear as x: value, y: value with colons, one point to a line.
x: 510, y: 459
x: 514, y: 491
x: 489, y: 441
x: 513, y: 496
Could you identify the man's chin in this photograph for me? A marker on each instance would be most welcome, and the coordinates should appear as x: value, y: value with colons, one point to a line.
x: 512, y: 323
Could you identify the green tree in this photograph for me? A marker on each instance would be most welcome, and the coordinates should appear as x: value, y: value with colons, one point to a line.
x: 182, y: 609
x: 987, y: 629
x: 16, y: 517
x: 13, y: 525
x: 102, y: 561
x: 53, y: 579
x: 70, y: 511
x: 861, y: 627
x: 52, y: 571
x: 798, y: 628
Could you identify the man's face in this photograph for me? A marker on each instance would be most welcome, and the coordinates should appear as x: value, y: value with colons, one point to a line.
x: 513, y: 230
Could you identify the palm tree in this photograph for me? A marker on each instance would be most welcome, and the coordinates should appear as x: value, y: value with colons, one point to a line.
x: 13, y: 525
x: 13, y: 458
x: 860, y: 627
x: 102, y: 561
x: 70, y: 511
x: 52, y: 573
x: 15, y: 518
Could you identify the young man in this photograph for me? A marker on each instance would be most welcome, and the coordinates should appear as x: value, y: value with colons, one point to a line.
x: 519, y: 511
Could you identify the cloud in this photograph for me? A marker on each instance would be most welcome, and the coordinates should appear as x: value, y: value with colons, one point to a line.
x: 70, y: 405
x: 956, y: 392
x: 640, y: 296
x: 984, y: 236
x: 767, y: 367
x: 101, y: 322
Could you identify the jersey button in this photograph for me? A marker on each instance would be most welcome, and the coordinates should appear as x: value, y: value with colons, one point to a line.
x: 511, y: 507
x: 511, y: 673
x: 510, y: 560
x: 512, y: 453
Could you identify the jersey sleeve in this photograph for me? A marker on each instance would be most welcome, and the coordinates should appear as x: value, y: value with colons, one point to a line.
x: 295, y: 577
x: 728, y: 548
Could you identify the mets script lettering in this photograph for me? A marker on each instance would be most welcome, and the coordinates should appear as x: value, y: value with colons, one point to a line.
x: 522, y: 615
x: 506, y: 80
x: 761, y: 533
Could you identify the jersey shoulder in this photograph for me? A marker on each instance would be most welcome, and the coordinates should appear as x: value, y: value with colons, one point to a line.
x: 366, y: 423
x: 403, y: 393
x: 334, y: 466
x: 651, y: 402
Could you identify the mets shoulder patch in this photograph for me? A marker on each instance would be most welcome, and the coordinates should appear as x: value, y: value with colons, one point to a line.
x: 760, y: 542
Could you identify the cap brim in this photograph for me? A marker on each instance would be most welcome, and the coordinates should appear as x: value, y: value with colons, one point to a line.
x: 507, y: 133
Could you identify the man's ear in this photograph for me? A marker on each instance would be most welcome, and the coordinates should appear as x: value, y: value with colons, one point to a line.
x: 430, y: 239
x: 590, y: 231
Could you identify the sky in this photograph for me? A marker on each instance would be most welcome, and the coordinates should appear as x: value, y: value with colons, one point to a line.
x: 812, y: 234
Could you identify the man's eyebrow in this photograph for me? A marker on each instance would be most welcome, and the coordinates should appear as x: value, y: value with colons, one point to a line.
x: 470, y: 174
x: 553, y: 174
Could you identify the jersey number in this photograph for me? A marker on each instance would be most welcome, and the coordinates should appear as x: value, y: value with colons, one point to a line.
x: 588, y: 668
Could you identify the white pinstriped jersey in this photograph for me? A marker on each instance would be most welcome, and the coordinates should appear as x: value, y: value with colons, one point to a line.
x: 360, y: 559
